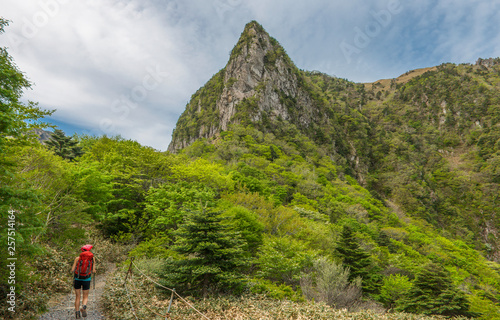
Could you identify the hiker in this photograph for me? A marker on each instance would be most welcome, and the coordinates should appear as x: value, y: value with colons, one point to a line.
x: 82, y: 269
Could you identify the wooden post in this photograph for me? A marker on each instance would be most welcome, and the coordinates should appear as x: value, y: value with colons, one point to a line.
x: 129, y: 270
x: 170, y: 303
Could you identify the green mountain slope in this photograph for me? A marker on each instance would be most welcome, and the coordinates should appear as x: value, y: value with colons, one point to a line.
x: 427, y: 141
x: 423, y: 147
x: 438, y: 154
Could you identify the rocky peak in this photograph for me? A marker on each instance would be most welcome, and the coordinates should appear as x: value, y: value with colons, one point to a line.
x: 260, y: 68
x: 258, y: 80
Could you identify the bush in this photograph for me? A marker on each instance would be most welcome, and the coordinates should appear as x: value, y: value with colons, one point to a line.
x: 274, y: 290
x: 282, y: 259
x: 393, y: 289
x: 329, y: 283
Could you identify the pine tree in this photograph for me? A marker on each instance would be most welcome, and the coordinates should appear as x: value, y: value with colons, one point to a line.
x: 353, y: 257
x: 273, y: 153
x: 434, y: 293
x: 64, y: 146
x: 358, y: 261
x: 213, y: 255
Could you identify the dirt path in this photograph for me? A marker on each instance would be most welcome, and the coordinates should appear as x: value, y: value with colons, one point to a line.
x: 63, y: 307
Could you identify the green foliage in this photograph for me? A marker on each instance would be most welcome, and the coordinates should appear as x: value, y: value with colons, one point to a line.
x: 213, y: 256
x: 394, y: 288
x: 282, y: 259
x: 329, y: 282
x: 358, y: 261
x: 413, y: 170
x: 127, y: 170
x: 16, y: 119
x: 434, y: 293
x: 200, y: 170
x: 315, y: 189
x: 155, y: 248
x: 64, y: 146
x: 167, y: 205
x: 247, y: 108
x: 435, y: 133
x: 278, y: 291
x: 60, y: 211
x: 247, y: 225
x: 94, y: 187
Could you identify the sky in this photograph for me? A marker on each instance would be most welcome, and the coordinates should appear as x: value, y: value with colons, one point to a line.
x: 129, y: 67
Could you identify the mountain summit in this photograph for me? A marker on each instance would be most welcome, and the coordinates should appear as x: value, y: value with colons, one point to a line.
x: 259, y: 83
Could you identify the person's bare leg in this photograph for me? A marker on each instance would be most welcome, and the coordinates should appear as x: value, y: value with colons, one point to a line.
x: 85, y: 297
x: 77, y: 299
x: 84, y: 302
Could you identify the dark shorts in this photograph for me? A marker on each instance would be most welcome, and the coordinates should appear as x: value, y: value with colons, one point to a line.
x: 79, y: 284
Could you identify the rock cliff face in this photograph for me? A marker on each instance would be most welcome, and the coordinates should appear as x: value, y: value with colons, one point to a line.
x: 259, y: 81
x: 260, y: 69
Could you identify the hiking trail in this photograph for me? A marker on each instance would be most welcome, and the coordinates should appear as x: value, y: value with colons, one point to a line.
x: 63, y: 307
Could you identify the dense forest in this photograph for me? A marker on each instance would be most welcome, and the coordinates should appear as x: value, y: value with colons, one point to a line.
x: 267, y: 215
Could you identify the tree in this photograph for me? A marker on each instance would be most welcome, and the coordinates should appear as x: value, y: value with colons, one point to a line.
x: 273, y: 154
x: 60, y: 209
x: 213, y: 255
x: 247, y: 224
x: 282, y: 259
x: 13, y: 114
x: 16, y: 121
x: 358, y: 261
x: 353, y: 257
x: 434, y: 293
x: 129, y: 170
x: 169, y: 203
x: 64, y: 146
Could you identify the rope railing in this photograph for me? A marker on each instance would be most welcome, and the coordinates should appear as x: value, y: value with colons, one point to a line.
x: 145, y: 304
x: 161, y: 286
x: 130, y: 300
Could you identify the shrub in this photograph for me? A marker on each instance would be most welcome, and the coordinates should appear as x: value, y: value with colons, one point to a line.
x: 278, y: 291
x: 329, y: 283
x: 393, y: 289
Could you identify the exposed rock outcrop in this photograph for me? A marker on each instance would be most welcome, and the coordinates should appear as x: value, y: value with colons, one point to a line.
x: 258, y: 79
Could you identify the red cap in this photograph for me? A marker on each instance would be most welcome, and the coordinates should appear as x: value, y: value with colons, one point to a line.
x: 87, y: 247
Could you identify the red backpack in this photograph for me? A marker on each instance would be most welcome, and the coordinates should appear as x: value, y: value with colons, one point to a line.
x: 84, y: 265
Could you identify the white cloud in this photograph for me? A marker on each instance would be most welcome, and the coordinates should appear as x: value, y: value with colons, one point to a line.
x: 93, y: 60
